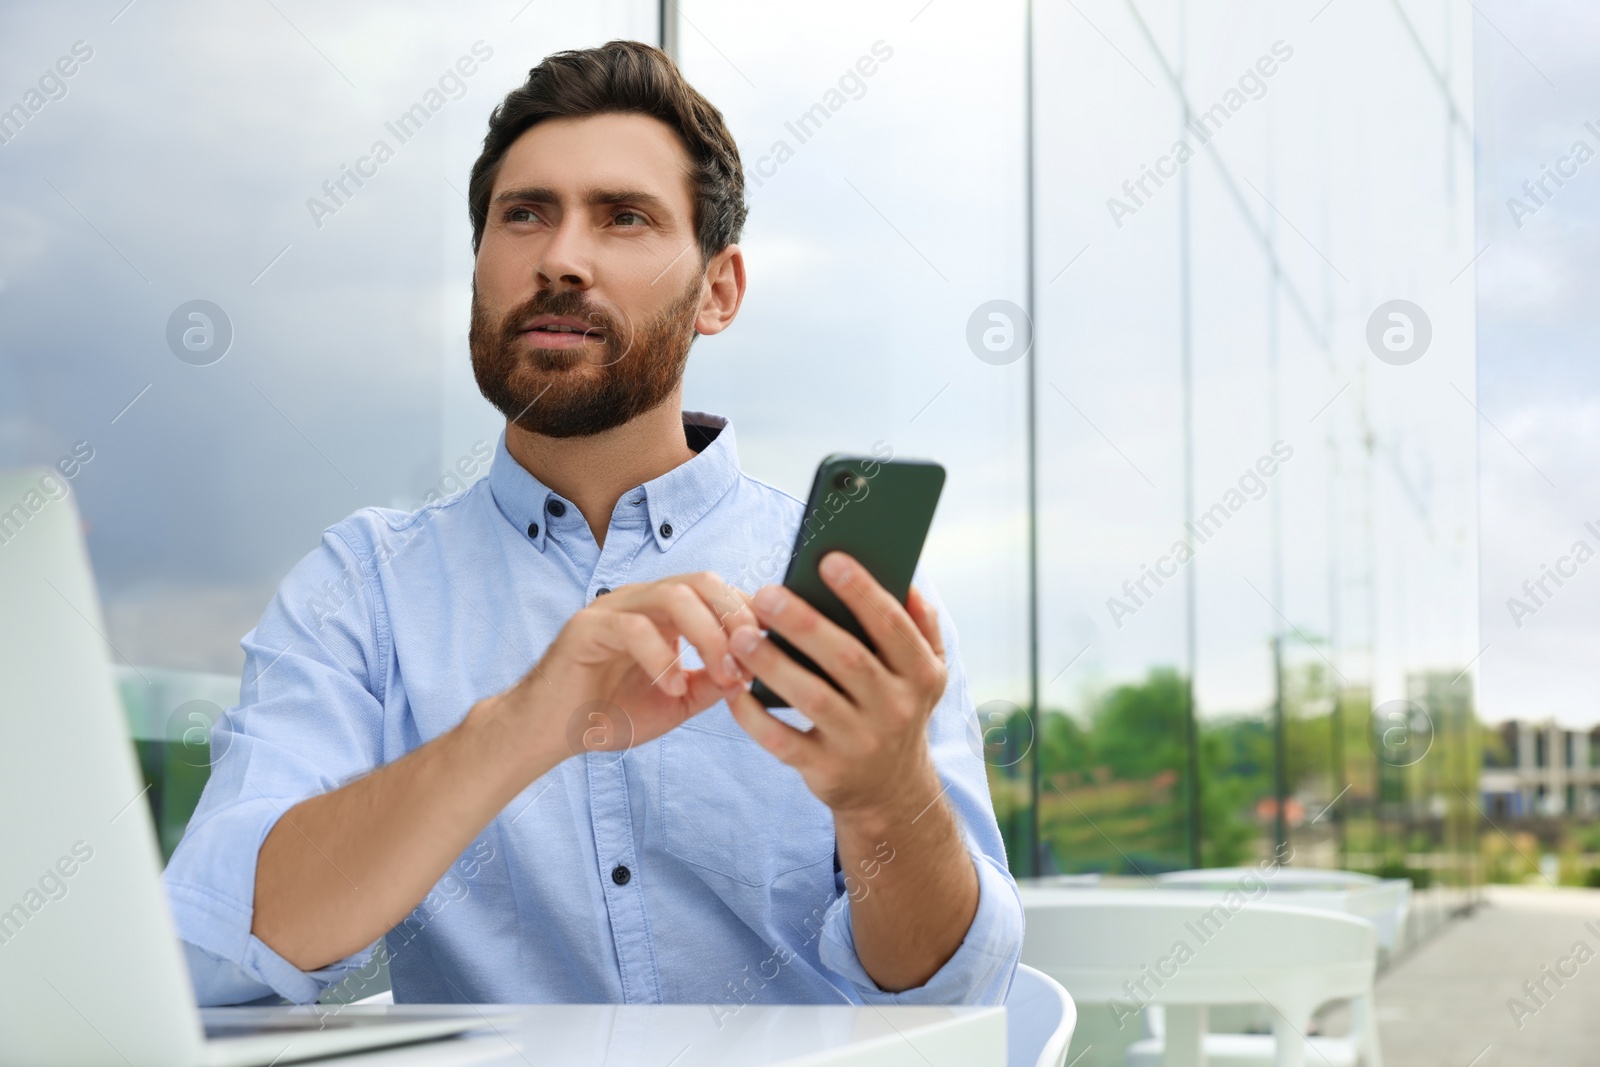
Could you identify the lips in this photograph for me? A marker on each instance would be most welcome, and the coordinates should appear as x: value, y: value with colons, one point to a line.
x: 562, y: 331
x: 563, y: 324
x: 557, y: 328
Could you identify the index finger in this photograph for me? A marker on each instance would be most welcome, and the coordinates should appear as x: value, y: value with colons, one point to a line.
x: 899, y: 641
x: 730, y: 603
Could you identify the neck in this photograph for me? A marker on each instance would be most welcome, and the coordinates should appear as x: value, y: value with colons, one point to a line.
x: 593, y: 472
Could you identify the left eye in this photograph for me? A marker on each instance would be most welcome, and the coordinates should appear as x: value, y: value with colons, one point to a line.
x: 629, y: 218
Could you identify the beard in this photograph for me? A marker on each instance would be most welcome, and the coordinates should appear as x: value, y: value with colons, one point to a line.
x: 586, y: 389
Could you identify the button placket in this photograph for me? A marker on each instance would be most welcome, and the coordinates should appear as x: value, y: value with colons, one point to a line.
x: 622, y: 544
x: 613, y: 842
x: 621, y: 880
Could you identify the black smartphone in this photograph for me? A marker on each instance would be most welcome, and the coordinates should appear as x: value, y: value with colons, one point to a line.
x: 875, y: 510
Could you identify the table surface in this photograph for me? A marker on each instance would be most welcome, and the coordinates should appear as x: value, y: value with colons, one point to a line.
x: 679, y: 1035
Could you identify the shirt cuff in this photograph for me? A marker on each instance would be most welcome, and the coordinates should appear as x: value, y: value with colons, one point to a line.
x: 211, y: 890
x: 223, y: 981
x: 980, y: 971
x: 242, y: 969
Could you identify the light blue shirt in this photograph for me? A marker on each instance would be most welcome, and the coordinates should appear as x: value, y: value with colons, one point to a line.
x: 385, y: 635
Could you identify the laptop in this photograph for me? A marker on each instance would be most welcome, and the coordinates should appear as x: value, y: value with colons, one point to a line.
x: 91, y: 970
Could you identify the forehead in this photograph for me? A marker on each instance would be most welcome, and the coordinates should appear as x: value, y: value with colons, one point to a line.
x: 571, y: 156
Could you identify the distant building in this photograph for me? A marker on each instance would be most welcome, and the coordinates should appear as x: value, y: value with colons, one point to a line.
x: 1541, y: 768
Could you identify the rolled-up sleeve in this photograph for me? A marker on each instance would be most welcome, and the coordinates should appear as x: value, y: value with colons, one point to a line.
x: 308, y: 720
x: 982, y: 967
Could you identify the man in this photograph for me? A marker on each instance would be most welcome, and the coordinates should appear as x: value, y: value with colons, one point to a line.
x: 467, y: 733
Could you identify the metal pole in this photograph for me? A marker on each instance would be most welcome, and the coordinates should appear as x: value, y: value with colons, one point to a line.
x: 1280, y: 749
x: 1186, y: 319
x: 1035, y: 848
x: 668, y: 23
x: 1337, y: 725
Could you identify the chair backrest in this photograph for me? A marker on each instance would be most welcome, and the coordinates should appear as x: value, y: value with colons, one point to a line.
x: 1386, y: 906
x: 1230, y: 876
x: 1064, y: 881
x: 1382, y: 902
x: 1040, y: 1018
x: 1135, y: 947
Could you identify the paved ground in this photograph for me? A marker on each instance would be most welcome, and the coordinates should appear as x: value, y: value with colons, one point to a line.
x: 1445, y: 1004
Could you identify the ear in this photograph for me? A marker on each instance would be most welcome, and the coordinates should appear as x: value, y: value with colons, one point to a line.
x: 723, y: 291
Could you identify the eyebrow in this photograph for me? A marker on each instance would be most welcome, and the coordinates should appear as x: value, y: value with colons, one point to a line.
x: 539, y: 194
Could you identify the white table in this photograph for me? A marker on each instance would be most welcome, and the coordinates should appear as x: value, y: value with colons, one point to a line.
x: 656, y: 1035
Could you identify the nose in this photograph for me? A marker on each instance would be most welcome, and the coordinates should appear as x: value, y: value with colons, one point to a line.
x: 566, y: 260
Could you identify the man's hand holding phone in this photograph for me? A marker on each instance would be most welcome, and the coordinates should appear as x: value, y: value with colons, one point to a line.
x: 867, y: 755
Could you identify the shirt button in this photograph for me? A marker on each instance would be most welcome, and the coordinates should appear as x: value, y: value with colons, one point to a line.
x: 602, y: 591
x: 621, y: 874
x: 533, y: 529
x: 666, y: 529
x: 556, y: 507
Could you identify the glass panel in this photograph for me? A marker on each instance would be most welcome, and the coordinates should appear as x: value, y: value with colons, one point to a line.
x: 885, y: 221
x: 295, y: 167
x: 1241, y: 487
x: 1111, y: 457
x: 1539, y: 390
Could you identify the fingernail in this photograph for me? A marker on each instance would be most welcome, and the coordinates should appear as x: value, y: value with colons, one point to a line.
x: 770, y: 600
x: 730, y: 667
x: 677, y: 685
x: 835, y: 567
x: 744, y: 639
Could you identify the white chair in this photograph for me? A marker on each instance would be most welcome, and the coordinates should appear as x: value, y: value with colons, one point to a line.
x: 1385, y: 903
x: 1123, y: 946
x: 1228, y: 1049
x: 1235, y: 1050
x: 1040, y: 1018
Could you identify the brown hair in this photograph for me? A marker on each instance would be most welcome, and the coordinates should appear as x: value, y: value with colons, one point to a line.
x: 622, y: 76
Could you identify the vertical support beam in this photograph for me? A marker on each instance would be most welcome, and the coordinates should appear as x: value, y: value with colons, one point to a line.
x: 1186, y: 357
x: 1035, y: 772
x: 668, y: 24
x: 1280, y: 753
x: 1336, y: 748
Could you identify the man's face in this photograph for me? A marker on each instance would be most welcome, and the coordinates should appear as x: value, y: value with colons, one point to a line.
x: 589, y: 286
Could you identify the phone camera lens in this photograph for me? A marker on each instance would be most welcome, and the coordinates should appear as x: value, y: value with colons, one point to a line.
x: 846, y: 481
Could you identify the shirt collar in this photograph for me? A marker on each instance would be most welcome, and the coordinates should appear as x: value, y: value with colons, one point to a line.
x: 674, y: 502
